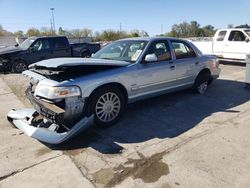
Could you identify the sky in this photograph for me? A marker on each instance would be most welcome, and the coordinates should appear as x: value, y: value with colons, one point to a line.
x: 153, y: 16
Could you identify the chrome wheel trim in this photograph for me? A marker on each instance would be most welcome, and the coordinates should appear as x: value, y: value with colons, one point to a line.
x: 108, y: 107
x: 202, y: 88
x: 20, y: 67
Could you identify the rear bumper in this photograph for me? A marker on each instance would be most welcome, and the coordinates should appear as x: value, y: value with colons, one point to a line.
x: 22, y: 119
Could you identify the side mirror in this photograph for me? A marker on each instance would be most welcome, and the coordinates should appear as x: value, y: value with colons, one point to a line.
x: 247, y: 40
x: 150, y: 58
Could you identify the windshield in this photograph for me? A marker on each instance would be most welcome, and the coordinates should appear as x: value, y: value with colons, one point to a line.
x: 125, y: 50
x: 26, y: 44
x: 247, y: 32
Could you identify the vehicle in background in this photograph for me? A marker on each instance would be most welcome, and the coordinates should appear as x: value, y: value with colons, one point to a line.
x: 69, y: 94
x: 228, y: 44
x: 18, y: 58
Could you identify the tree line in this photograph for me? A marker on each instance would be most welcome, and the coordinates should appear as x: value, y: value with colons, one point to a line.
x: 191, y: 29
x: 194, y: 29
x: 106, y: 35
x: 181, y: 30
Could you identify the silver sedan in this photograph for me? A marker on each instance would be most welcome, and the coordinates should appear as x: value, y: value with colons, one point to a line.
x: 69, y: 94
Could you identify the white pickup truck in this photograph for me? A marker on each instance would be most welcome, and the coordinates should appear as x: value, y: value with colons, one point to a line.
x: 228, y: 44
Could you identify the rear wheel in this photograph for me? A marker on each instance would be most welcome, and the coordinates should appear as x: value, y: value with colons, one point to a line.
x: 19, y: 66
x: 86, y: 53
x: 201, y: 83
x: 107, y: 104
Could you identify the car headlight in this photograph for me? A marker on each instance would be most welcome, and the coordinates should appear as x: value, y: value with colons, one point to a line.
x: 50, y: 92
x: 3, y: 60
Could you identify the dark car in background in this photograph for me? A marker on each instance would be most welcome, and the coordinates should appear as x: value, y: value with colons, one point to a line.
x: 34, y: 49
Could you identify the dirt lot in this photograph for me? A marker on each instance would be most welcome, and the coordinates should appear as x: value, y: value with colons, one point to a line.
x: 176, y: 140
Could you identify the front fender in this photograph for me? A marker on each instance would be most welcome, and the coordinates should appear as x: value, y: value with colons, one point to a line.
x: 87, y: 91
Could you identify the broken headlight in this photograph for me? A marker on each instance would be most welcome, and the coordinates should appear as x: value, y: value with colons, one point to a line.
x: 50, y: 92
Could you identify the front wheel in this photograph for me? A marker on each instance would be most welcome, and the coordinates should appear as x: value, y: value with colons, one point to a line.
x: 19, y: 66
x: 107, y: 105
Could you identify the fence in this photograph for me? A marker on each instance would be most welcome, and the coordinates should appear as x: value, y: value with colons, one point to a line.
x: 7, y: 41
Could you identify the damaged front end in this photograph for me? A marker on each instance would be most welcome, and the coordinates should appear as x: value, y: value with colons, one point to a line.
x: 58, y: 113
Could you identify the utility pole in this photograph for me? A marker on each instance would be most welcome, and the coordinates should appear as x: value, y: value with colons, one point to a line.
x: 120, y: 27
x: 51, y: 27
x: 53, y: 20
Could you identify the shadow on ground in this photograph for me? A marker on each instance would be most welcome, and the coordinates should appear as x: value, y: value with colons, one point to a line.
x: 234, y: 63
x: 162, y: 117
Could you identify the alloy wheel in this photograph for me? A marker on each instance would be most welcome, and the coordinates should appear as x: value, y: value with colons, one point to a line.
x: 108, y: 107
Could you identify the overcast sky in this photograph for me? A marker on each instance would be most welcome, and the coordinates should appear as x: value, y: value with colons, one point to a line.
x: 149, y: 15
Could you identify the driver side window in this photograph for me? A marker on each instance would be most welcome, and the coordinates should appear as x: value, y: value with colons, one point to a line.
x: 41, y: 45
x: 161, y: 50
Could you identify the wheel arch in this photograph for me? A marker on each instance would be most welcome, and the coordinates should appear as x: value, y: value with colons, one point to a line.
x: 112, y: 84
x: 85, y: 50
x: 19, y: 58
x: 203, y: 71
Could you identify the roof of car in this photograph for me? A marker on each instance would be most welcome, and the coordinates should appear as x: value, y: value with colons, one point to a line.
x: 230, y: 29
x: 150, y: 38
x: 38, y: 37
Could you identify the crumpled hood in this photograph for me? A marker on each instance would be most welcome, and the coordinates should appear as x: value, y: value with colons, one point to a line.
x: 9, y: 49
x: 72, y: 62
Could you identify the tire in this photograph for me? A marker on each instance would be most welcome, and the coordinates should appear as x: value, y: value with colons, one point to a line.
x: 202, y: 82
x: 86, y: 54
x: 19, y: 66
x: 107, y: 104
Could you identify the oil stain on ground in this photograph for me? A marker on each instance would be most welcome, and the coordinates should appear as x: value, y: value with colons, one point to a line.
x: 148, y: 169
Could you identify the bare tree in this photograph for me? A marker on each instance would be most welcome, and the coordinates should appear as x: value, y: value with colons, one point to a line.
x: 33, y: 32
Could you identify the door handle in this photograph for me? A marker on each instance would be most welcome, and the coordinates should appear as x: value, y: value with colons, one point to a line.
x: 197, y: 63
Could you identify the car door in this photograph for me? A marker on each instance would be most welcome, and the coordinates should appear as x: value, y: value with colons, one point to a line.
x: 186, y: 62
x: 159, y: 75
x: 39, y: 50
x: 60, y: 47
x: 219, y: 43
x: 236, y: 47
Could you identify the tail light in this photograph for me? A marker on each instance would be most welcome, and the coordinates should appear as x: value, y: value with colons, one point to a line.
x: 215, y: 64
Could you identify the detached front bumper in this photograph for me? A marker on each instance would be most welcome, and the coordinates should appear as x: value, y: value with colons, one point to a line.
x: 22, y: 119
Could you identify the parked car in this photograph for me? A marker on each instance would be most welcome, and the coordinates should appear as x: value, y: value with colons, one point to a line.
x: 70, y: 94
x: 34, y: 49
x: 228, y: 44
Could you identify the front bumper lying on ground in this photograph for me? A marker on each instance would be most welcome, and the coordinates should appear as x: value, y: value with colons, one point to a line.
x: 22, y: 119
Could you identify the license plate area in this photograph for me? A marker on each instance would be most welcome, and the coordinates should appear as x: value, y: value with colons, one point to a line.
x: 43, y: 110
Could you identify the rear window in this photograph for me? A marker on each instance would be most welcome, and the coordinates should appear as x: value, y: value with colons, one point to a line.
x: 60, y: 43
x: 247, y: 32
x: 182, y: 50
x: 221, y: 35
